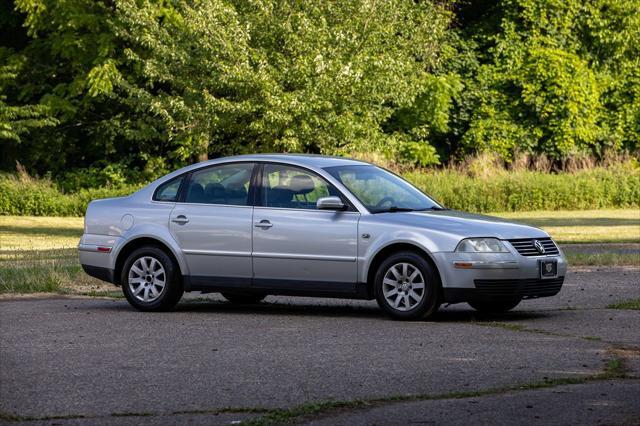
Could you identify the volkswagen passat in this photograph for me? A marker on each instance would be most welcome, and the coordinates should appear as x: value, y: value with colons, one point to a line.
x: 303, y: 225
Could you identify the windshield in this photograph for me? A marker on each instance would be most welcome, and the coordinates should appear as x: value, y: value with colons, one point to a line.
x: 381, y: 191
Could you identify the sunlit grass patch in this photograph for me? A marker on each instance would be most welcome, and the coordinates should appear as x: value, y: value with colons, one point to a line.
x: 39, y: 254
x: 586, y: 226
x: 38, y: 232
x: 46, y: 271
x: 603, y: 259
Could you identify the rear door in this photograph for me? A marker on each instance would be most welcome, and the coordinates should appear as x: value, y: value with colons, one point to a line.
x: 213, y: 224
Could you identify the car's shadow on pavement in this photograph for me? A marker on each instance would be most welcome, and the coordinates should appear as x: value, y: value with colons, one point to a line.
x: 284, y: 308
x: 371, y: 311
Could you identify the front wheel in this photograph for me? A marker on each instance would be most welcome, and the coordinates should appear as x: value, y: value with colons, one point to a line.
x: 494, y: 307
x: 150, y: 280
x: 406, y: 287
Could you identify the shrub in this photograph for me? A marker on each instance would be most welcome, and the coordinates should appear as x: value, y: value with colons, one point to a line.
x: 493, y: 191
x: 39, y: 197
x: 528, y: 190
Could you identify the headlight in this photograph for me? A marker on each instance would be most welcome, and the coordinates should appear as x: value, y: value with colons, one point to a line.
x: 482, y: 245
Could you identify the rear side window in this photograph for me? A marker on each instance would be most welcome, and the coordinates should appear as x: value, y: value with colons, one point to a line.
x: 168, y: 191
x: 226, y: 184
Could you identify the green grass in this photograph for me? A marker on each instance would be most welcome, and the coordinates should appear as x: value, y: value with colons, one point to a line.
x: 602, y: 259
x: 39, y: 232
x: 47, y: 271
x: 627, y: 304
x: 486, y: 189
x: 492, y: 190
x: 584, y: 226
x: 38, y: 254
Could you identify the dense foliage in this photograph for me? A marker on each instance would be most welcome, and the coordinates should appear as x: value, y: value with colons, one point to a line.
x: 102, y: 92
x: 614, y: 187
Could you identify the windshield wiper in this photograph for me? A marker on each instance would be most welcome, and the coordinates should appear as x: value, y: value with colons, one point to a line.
x: 436, y: 208
x: 393, y: 209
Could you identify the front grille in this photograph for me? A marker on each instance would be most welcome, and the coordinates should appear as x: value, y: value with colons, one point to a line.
x: 512, y: 289
x: 526, y: 246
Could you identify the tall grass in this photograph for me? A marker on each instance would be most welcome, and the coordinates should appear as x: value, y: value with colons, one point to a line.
x: 25, y: 195
x: 527, y: 190
x: 480, y: 184
x: 47, y: 271
x: 484, y: 183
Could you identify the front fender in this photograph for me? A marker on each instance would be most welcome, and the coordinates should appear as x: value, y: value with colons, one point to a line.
x: 371, y: 249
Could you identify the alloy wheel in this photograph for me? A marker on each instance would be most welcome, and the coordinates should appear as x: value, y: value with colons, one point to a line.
x: 403, y: 286
x: 147, y: 279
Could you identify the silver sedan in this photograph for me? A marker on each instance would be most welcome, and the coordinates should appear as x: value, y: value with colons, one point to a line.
x: 303, y: 225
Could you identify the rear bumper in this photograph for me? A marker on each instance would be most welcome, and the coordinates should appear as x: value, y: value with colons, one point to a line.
x: 104, y: 274
x: 504, y: 289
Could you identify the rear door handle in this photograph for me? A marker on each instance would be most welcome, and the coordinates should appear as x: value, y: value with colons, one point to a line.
x: 264, y: 224
x: 181, y: 220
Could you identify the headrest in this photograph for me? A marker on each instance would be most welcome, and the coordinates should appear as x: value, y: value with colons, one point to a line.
x: 213, y: 188
x: 301, y: 184
x: 196, y: 189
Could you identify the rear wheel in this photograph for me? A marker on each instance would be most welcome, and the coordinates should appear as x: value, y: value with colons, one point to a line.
x: 406, y: 286
x: 243, y: 298
x: 150, y: 280
x: 494, y: 307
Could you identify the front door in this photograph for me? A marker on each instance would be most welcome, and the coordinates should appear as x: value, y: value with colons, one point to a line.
x: 214, y: 223
x: 296, y: 246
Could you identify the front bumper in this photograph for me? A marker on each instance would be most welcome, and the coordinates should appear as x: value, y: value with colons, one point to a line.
x: 504, y: 290
x: 496, y: 276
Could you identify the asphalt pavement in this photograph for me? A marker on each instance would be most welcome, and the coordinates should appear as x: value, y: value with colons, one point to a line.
x: 98, y: 361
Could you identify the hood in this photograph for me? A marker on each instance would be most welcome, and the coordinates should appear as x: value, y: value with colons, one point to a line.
x: 464, y: 225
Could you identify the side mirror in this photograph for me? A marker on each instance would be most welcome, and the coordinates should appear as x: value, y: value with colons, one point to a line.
x: 330, y: 203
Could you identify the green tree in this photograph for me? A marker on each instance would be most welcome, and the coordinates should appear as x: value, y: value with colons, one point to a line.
x: 158, y: 83
x: 554, y: 77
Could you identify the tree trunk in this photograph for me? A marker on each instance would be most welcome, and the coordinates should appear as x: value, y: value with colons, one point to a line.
x: 203, y: 148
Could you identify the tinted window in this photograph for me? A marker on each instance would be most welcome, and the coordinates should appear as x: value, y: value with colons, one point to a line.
x: 293, y: 188
x: 225, y: 184
x: 168, y: 191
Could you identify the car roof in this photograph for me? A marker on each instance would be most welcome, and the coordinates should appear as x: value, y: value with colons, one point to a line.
x: 313, y: 160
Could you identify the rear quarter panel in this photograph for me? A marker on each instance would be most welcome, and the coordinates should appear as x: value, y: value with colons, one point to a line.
x: 118, y: 221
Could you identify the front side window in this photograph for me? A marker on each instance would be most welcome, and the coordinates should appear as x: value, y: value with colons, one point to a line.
x: 381, y: 191
x: 226, y: 184
x: 292, y: 187
x: 168, y: 191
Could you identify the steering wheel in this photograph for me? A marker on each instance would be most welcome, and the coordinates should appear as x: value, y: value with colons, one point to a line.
x: 385, y: 200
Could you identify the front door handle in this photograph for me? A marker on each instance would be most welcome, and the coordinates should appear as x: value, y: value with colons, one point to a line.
x: 264, y: 224
x: 181, y: 220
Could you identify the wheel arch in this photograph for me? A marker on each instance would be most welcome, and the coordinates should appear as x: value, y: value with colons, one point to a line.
x: 134, y: 244
x: 387, y: 250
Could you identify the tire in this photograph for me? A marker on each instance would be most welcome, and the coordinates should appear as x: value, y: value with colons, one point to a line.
x: 404, y: 297
x: 494, y: 307
x: 243, y: 298
x: 141, y: 275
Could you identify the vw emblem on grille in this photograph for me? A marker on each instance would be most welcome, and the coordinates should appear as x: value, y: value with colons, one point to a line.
x: 548, y: 267
x: 538, y: 245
